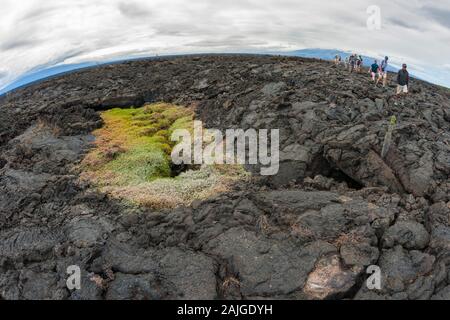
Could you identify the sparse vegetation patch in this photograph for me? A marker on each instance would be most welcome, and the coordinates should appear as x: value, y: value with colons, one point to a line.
x: 131, y: 159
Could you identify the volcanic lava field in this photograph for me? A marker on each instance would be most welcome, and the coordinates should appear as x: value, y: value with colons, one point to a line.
x: 72, y: 193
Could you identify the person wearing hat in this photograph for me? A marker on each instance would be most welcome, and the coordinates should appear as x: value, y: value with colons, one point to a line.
x: 337, y: 59
x: 403, y: 80
x: 383, y: 71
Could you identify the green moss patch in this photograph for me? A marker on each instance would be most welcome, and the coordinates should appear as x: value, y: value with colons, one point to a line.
x: 131, y: 159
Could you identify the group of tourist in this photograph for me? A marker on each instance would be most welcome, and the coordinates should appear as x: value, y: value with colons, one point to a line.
x: 353, y: 63
x: 378, y: 72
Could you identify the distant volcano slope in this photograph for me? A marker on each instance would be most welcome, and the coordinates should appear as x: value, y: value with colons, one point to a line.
x: 310, y: 232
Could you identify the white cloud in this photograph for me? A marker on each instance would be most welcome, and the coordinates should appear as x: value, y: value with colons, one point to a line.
x: 35, y: 33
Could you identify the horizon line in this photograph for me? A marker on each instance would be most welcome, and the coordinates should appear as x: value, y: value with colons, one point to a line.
x: 94, y: 63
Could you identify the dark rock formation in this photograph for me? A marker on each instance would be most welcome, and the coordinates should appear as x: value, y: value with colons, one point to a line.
x: 310, y: 232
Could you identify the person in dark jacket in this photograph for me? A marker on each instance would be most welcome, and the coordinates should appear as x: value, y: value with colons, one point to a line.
x: 359, y: 63
x: 352, y: 63
x: 403, y: 80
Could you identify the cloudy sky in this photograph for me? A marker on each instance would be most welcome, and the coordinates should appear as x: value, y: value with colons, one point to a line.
x: 42, y: 33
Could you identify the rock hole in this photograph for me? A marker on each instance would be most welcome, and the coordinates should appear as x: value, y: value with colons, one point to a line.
x: 340, y: 176
x: 321, y: 166
x: 3, y: 163
x: 178, y: 169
